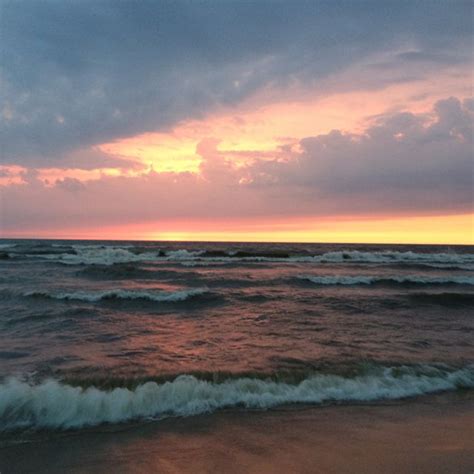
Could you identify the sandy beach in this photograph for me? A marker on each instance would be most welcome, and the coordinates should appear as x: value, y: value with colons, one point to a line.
x: 426, y: 435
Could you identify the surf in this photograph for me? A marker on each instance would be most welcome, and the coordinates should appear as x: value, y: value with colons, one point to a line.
x: 55, y: 405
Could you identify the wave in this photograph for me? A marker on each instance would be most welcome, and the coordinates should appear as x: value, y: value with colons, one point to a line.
x: 103, y: 255
x: 436, y: 260
x: 342, y: 256
x: 111, y: 254
x: 385, y: 257
x: 183, y: 254
x: 149, y: 295
x: 396, y: 279
x: 4, y: 248
x: 444, y: 299
x: 127, y: 271
x: 52, y: 404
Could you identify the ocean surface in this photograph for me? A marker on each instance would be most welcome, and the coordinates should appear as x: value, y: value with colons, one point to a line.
x: 108, y: 332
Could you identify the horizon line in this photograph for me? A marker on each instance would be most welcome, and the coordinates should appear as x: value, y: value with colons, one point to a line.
x: 240, y: 241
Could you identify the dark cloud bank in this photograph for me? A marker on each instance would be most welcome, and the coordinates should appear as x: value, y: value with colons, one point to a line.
x: 78, y: 73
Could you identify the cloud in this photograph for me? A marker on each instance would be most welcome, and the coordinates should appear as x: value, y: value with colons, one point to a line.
x: 75, y: 74
x: 403, y: 163
x: 70, y: 184
x: 92, y: 158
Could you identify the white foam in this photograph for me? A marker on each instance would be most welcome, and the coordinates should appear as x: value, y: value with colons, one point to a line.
x: 439, y: 260
x: 105, y: 255
x: 369, y: 280
x: 108, y: 255
x: 150, y: 295
x: 52, y: 404
x: 396, y: 257
x: 183, y: 254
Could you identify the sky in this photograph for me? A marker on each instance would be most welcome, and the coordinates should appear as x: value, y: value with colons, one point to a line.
x: 237, y: 120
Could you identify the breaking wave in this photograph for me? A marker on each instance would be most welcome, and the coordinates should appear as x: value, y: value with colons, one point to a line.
x: 397, y: 257
x: 396, y: 279
x: 7, y: 246
x: 437, y: 260
x: 104, y: 255
x: 150, y: 295
x: 109, y: 255
x: 55, y: 405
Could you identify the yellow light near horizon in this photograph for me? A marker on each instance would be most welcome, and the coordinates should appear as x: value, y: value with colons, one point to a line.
x: 446, y: 230
x: 449, y: 230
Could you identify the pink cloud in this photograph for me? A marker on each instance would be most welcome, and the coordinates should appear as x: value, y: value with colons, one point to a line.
x: 403, y: 163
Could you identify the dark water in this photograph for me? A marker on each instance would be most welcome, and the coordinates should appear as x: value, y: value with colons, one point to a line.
x: 184, y: 328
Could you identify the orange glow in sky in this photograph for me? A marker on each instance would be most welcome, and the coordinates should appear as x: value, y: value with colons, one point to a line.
x: 320, y: 123
x: 258, y: 128
x: 454, y: 229
x: 266, y: 121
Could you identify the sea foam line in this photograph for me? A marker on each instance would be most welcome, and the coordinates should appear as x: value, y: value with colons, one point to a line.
x: 150, y: 295
x: 109, y: 255
x: 52, y: 404
x: 398, y: 279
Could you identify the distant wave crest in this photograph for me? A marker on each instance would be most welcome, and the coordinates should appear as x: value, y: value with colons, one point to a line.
x: 437, y: 260
x: 103, y: 255
x: 395, y: 279
x: 52, y: 404
x: 397, y: 257
x: 150, y: 295
x: 111, y: 254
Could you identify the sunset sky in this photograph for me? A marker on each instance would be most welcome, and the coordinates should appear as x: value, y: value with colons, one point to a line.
x: 312, y: 121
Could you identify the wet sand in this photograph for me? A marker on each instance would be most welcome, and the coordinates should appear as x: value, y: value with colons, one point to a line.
x: 426, y: 435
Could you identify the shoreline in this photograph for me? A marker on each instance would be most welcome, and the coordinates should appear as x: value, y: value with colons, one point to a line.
x: 428, y: 434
